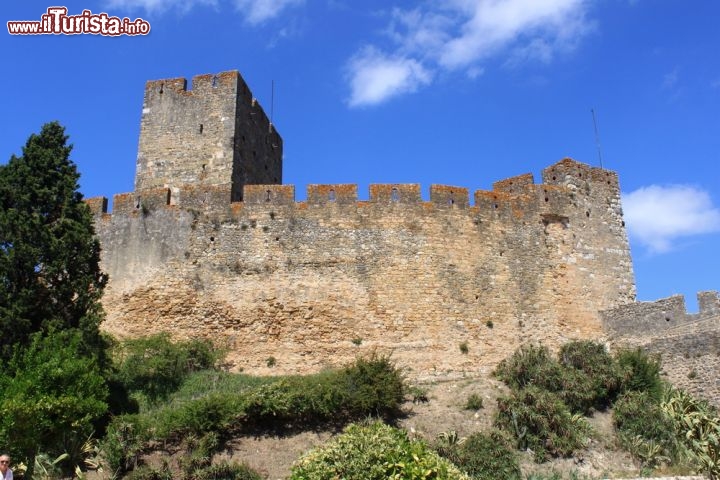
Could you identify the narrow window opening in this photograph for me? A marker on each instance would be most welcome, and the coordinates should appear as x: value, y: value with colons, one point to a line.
x: 137, y: 202
x: 162, y: 86
x: 547, y: 199
x: 201, y: 128
x: 203, y: 166
x: 214, y: 81
x: 167, y: 198
x: 212, y: 239
x: 267, y: 198
x: 395, y: 195
x: 495, y: 205
x: 331, y: 195
x: 554, y: 178
x: 587, y: 214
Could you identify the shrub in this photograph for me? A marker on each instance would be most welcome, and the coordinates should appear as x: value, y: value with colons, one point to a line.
x: 53, y: 396
x: 464, y: 349
x: 226, y: 471
x: 539, y: 420
x: 474, y: 402
x: 643, y: 429
x: 223, y: 403
x: 374, y: 452
x: 483, y: 456
x: 156, y: 366
x: 530, y: 365
x: 585, y: 377
x: 603, y: 377
x: 698, y: 426
x: 640, y: 372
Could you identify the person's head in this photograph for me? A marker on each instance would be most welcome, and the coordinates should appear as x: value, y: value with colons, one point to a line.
x: 4, y: 463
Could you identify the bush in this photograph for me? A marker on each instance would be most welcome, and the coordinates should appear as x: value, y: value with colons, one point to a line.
x: 602, y: 377
x: 640, y: 372
x: 697, y: 425
x: 374, y: 452
x: 223, y: 403
x: 644, y: 430
x: 483, y: 456
x: 156, y: 366
x: 226, y: 471
x: 54, y: 397
x: 539, y: 420
x: 530, y: 365
x: 474, y: 402
x: 585, y: 377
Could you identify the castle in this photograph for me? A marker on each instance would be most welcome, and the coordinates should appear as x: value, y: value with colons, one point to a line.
x: 211, y: 243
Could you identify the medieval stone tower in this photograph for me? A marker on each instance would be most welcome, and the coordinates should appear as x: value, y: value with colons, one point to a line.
x: 211, y: 243
x: 214, y: 134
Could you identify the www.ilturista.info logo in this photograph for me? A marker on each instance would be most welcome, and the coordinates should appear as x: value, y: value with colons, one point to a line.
x: 57, y: 22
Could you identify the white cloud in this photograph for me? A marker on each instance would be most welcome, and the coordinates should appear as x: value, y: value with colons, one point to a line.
x: 670, y: 79
x: 375, y: 77
x: 657, y: 216
x: 254, y: 11
x: 159, y: 6
x: 259, y: 11
x: 456, y: 35
x: 498, y: 24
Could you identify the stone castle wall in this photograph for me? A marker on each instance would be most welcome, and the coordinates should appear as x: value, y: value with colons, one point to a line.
x: 313, y: 284
x: 688, y: 343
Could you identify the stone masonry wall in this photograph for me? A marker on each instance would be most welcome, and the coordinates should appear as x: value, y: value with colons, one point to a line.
x: 316, y: 283
x: 688, y: 344
x: 213, y: 134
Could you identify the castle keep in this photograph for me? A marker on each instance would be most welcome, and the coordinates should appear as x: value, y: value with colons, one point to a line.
x: 211, y: 243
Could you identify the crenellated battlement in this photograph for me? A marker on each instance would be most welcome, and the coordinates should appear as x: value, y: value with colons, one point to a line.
x: 655, y: 319
x: 515, y: 196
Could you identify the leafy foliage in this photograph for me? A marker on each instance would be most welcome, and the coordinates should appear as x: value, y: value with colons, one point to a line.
x: 49, y: 259
x: 210, y: 401
x: 474, y: 402
x: 599, y: 379
x: 539, y: 420
x: 483, y: 456
x: 644, y: 430
x: 698, y: 425
x: 374, y: 452
x: 641, y: 372
x: 54, y: 397
x: 156, y: 366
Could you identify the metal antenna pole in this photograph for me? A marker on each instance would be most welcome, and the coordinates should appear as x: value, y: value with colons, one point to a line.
x: 272, y: 100
x: 597, y: 137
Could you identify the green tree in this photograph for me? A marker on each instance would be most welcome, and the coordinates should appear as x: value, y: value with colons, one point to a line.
x: 49, y: 257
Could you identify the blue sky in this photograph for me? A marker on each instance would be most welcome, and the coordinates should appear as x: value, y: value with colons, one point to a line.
x: 459, y: 92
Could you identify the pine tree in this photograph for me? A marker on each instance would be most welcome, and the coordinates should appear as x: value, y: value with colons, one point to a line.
x: 50, y: 279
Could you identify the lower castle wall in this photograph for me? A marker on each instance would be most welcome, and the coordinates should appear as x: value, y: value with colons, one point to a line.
x: 688, y: 344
